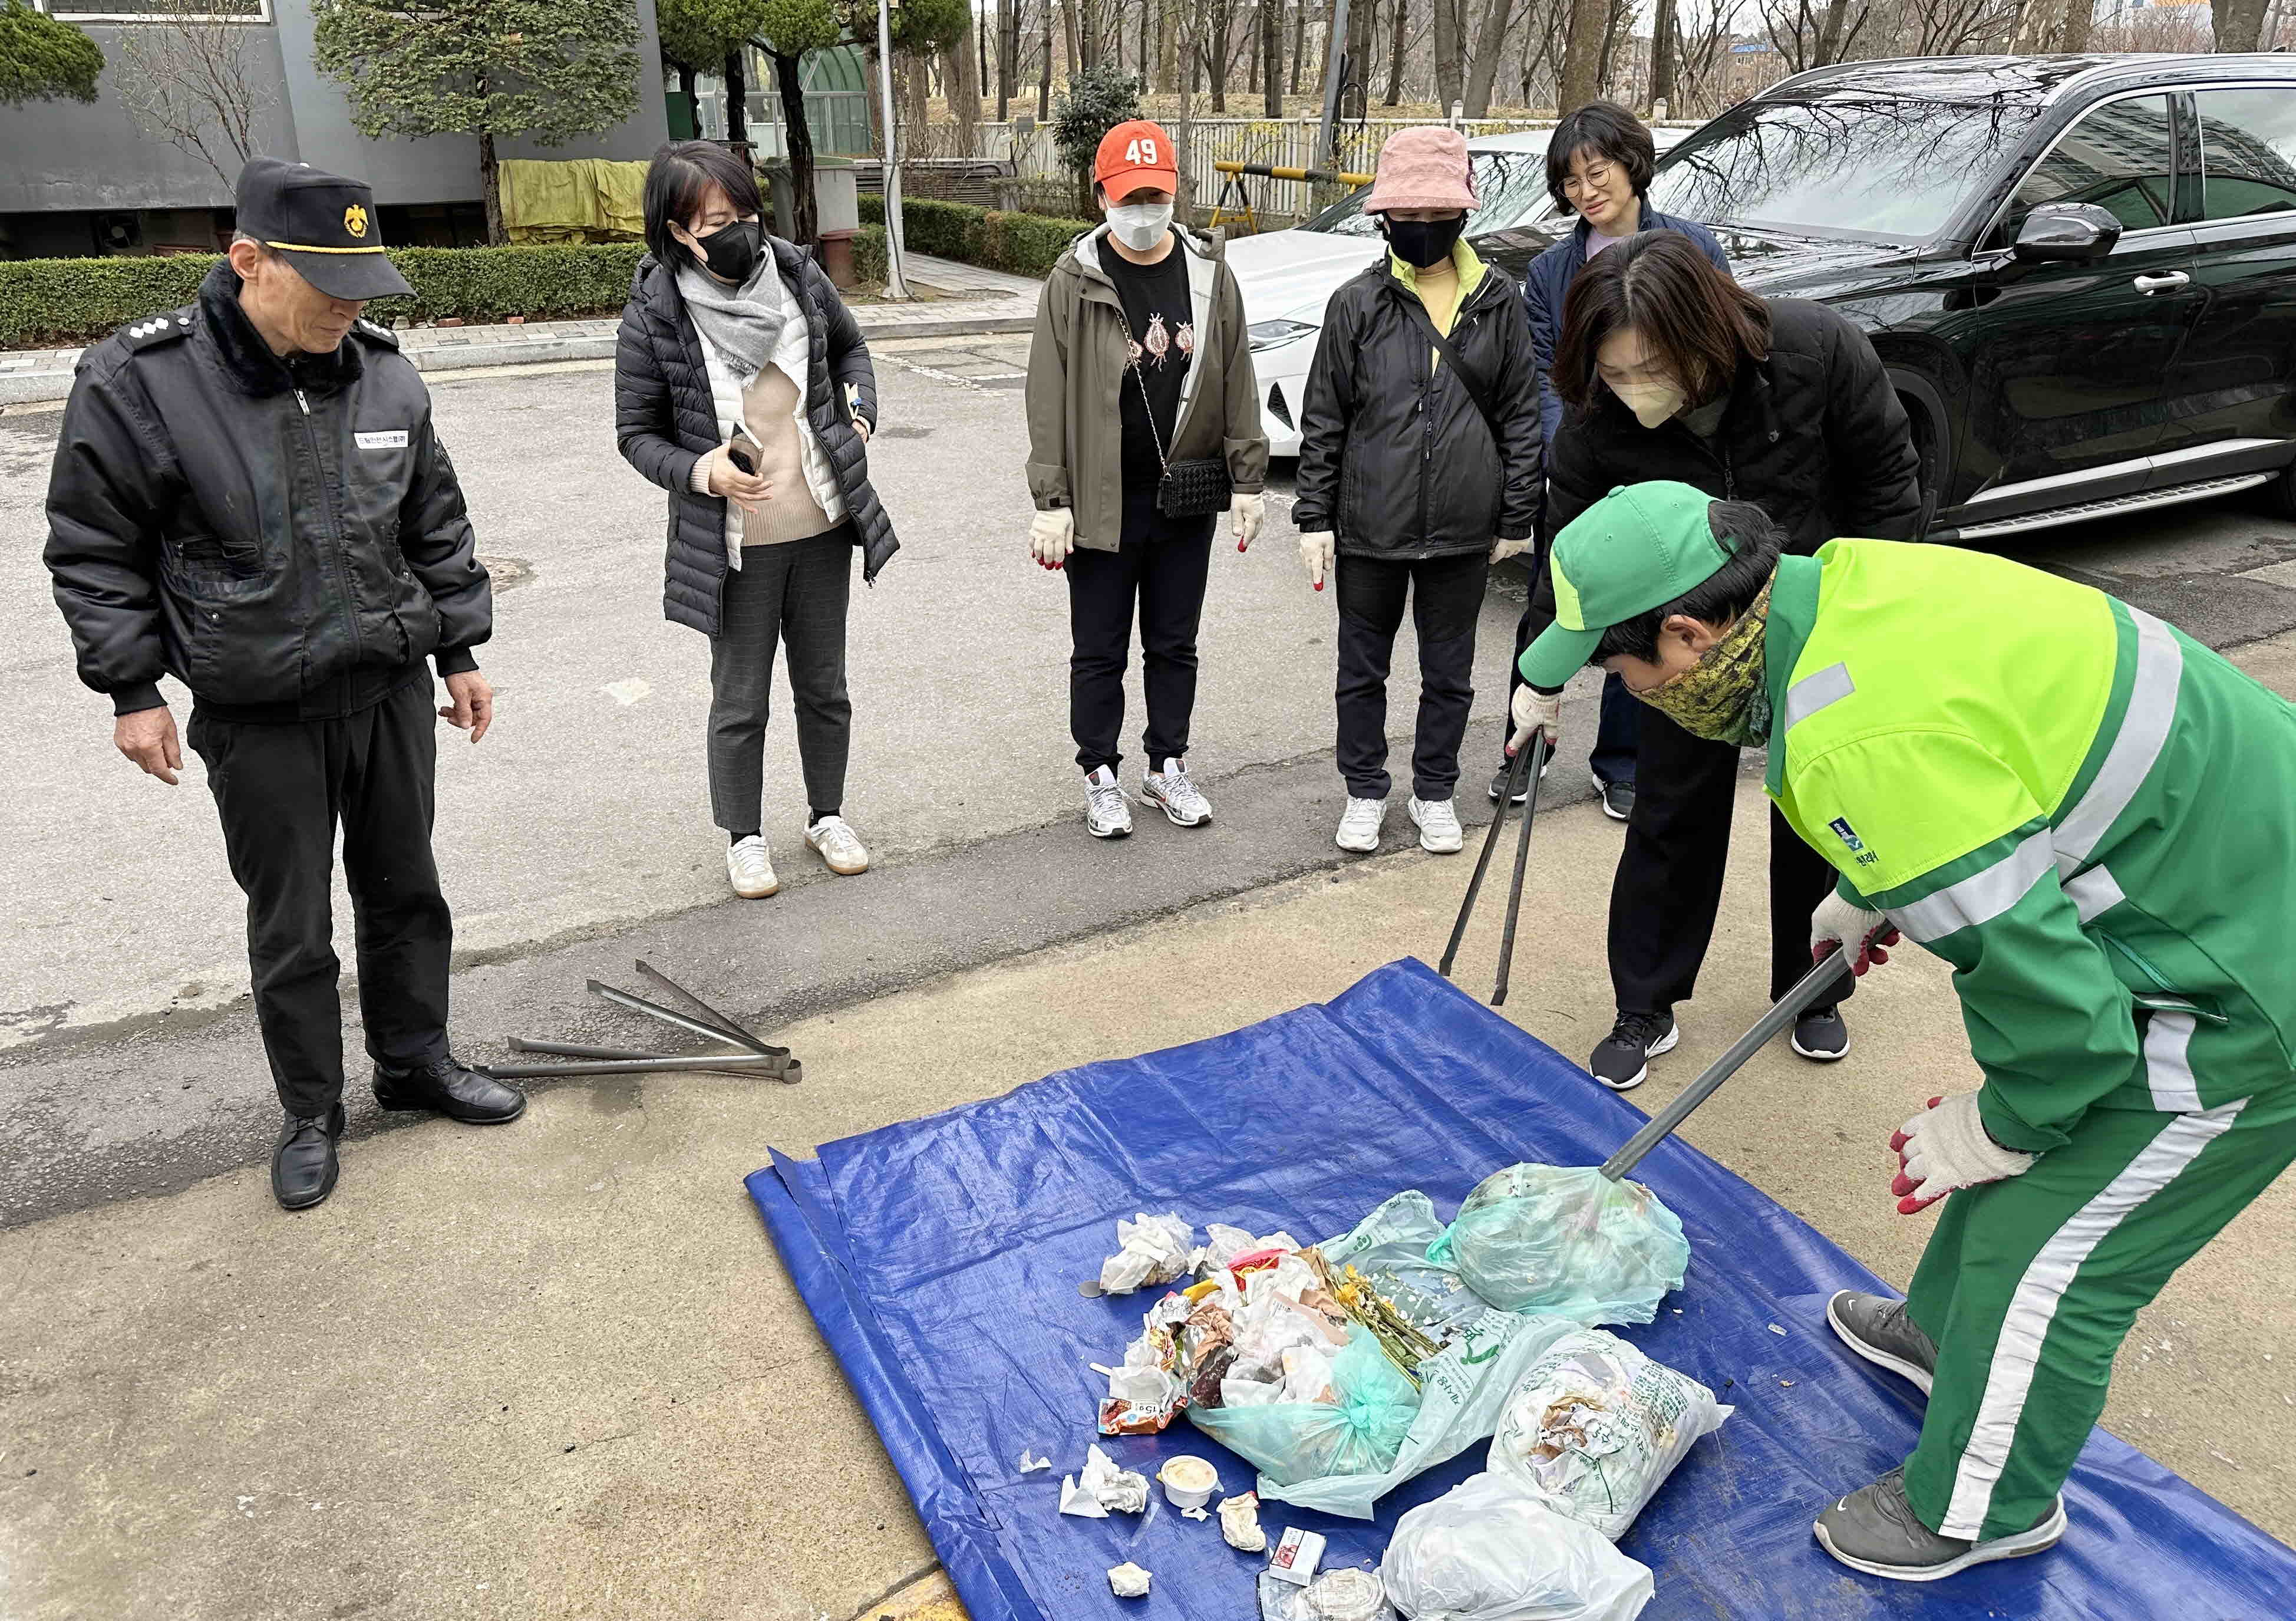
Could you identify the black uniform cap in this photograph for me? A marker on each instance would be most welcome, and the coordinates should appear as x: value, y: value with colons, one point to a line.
x: 322, y: 224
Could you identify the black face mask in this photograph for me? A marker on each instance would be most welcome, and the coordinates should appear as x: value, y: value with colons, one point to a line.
x: 733, y: 250
x: 1422, y: 243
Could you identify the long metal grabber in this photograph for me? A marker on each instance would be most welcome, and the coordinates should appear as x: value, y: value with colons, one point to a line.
x: 671, y: 1015
x: 1483, y: 861
x: 770, y: 1069
x: 732, y: 1027
x: 732, y: 1063
x: 1808, y: 990
x: 1537, y: 752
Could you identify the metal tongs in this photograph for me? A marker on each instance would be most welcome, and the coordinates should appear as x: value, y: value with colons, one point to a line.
x: 1533, y: 759
x: 752, y: 1055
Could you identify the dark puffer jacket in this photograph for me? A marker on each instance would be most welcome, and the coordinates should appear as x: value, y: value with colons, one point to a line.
x: 1396, y: 458
x: 665, y: 421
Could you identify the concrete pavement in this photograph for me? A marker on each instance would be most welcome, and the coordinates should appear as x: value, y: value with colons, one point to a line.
x: 555, y: 1370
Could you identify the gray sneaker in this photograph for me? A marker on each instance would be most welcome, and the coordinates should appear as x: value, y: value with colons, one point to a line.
x: 1173, y: 792
x: 1879, y: 1330
x: 1106, y: 816
x: 1874, y: 1530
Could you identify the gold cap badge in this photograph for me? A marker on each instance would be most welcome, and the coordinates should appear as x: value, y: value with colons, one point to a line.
x: 355, y: 219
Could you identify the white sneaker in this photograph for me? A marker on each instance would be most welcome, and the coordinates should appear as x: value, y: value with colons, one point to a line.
x: 1173, y: 792
x: 751, y: 867
x: 1359, y: 824
x: 1437, y: 821
x: 836, y: 843
x: 1106, y: 816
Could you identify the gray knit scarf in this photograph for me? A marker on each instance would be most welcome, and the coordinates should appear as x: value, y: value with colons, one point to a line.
x: 743, y: 324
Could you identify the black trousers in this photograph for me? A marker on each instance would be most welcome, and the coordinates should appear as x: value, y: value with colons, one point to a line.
x: 281, y: 790
x: 1446, y: 600
x: 793, y: 595
x: 1165, y: 573
x: 1668, y: 886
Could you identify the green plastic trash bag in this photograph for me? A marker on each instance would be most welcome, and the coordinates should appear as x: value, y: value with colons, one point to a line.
x: 1297, y: 1441
x: 1566, y: 1240
x: 1389, y: 1248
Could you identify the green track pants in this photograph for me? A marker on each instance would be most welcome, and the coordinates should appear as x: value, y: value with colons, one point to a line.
x: 2029, y: 1284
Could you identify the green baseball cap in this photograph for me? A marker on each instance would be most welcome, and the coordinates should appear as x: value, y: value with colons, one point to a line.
x: 1638, y: 547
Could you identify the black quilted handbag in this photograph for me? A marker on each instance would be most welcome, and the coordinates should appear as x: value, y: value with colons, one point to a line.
x: 1193, y: 488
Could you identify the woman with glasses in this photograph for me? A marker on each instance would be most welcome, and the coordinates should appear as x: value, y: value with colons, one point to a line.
x: 1599, y: 163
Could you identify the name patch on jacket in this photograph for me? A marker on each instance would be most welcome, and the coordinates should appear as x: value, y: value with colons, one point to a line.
x: 382, y: 441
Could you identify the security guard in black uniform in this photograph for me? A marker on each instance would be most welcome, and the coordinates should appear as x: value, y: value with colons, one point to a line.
x: 248, y: 496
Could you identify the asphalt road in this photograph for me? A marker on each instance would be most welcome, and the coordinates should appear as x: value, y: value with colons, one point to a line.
x: 126, y: 1068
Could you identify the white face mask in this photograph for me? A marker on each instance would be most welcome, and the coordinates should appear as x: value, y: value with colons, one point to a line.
x: 1651, y: 403
x: 1139, y: 226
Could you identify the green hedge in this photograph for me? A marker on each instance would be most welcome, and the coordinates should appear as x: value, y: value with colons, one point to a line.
x: 69, y: 301
x: 869, y: 256
x: 1026, y: 244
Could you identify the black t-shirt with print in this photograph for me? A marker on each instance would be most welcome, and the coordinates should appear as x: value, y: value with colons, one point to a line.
x: 1162, y: 324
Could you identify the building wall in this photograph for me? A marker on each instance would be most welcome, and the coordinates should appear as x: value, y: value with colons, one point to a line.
x: 63, y: 155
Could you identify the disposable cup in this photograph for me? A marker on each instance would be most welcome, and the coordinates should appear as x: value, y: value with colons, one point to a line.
x: 1189, y: 1481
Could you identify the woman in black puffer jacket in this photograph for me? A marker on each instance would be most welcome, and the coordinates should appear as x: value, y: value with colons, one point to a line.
x: 743, y: 387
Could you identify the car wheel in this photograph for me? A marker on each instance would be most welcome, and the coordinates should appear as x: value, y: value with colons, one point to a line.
x: 2282, y: 492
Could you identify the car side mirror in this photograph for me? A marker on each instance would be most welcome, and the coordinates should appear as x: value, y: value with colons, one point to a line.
x: 2066, y: 234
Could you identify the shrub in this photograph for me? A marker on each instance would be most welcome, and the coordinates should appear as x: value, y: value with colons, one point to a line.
x: 1095, y: 101
x: 65, y: 300
x: 1026, y: 244
x: 869, y: 257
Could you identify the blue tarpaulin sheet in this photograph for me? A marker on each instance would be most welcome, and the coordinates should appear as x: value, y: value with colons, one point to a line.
x: 941, y: 1257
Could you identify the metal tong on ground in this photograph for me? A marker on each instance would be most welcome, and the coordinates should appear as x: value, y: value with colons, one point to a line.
x: 1531, y: 760
x: 751, y: 1057
x: 1811, y: 989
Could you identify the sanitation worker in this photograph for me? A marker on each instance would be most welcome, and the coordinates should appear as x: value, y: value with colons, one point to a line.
x: 2089, y: 816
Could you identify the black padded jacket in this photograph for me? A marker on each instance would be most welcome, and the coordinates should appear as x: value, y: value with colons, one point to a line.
x: 286, y: 537
x: 665, y: 421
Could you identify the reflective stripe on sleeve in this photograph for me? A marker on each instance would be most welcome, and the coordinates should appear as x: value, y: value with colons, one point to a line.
x: 2144, y: 728
x: 1813, y: 693
x: 1979, y: 897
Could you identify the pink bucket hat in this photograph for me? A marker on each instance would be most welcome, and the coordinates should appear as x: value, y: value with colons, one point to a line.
x: 1424, y: 168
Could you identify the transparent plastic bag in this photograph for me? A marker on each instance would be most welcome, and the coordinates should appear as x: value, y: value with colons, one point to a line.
x: 1359, y: 1433
x: 1566, y: 1240
x: 1594, y: 1430
x: 1489, y: 1550
x: 1389, y: 1247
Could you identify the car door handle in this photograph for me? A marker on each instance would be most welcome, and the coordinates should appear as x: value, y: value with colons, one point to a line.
x: 2170, y: 283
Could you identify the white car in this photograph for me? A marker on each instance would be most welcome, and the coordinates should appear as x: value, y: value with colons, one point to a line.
x: 1287, y: 277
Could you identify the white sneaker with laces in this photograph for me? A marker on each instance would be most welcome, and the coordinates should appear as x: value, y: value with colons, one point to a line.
x: 1173, y: 792
x: 1438, y: 820
x: 749, y: 865
x: 1106, y: 816
x: 1359, y: 824
x: 834, y: 839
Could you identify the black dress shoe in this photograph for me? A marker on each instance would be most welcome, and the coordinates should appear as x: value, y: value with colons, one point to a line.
x: 445, y: 1087
x: 303, y: 1163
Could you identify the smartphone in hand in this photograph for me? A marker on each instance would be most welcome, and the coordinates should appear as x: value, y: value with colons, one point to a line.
x: 745, y: 452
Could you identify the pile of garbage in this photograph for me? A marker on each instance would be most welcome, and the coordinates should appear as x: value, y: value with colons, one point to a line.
x: 1341, y: 1368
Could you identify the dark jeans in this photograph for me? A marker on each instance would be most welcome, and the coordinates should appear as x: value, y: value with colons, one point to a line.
x: 1166, y: 574
x: 1447, y: 600
x: 1617, y: 733
x: 1668, y: 886
x: 794, y: 594
x: 282, y: 789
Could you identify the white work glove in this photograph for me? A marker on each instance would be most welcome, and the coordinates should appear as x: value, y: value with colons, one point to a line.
x: 1250, y: 510
x: 1052, y: 536
x: 1946, y: 1147
x: 1501, y: 550
x: 1847, y: 927
x: 1318, y: 550
x: 1535, y: 711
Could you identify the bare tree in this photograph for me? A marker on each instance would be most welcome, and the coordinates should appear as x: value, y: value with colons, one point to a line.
x: 1814, y: 33
x: 1398, y: 43
x: 1450, y: 53
x: 186, y: 81
x: 1271, y: 55
x: 1702, y: 54
x: 2238, y: 24
x: 1483, y: 66
x: 1582, y: 54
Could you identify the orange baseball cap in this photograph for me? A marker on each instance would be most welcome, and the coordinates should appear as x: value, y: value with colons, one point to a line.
x: 1133, y: 155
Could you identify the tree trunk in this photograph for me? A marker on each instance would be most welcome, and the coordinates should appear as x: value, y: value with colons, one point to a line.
x: 1359, y: 38
x: 1299, y: 44
x: 1484, y: 70
x: 2238, y: 24
x: 1044, y: 70
x: 1582, y: 55
x: 1828, y: 34
x: 1221, y: 18
x: 1396, y: 43
x: 737, y: 97
x: 490, y: 189
x: 1664, y: 30
x: 2037, y: 26
x: 1005, y: 55
x: 1068, y: 36
x: 1271, y: 57
x: 964, y: 89
x: 806, y: 228
x: 1449, y: 65
x: 2079, y: 15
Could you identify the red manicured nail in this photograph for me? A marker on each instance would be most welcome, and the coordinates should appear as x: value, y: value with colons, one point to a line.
x: 1935, y: 1101
x: 1319, y: 585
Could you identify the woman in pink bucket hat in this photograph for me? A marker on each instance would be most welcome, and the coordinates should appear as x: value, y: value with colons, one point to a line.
x: 1419, y: 468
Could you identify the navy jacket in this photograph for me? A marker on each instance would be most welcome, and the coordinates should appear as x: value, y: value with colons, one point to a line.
x: 1547, y: 280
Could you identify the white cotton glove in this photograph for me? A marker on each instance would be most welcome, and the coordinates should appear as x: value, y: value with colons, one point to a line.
x: 1318, y: 550
x: 1501, y: 550
x: 1052, y: 536
x: 1250, y: 510
x: 1946, y: 1147
x: 1534, y: 711
x: 1847, y: 927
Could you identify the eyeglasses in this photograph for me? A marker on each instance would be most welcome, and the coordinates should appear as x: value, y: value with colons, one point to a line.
x: 1597, y: 179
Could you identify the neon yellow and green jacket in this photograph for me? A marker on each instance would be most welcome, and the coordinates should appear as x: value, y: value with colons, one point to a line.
x: 2078, y: 806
